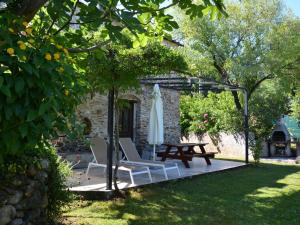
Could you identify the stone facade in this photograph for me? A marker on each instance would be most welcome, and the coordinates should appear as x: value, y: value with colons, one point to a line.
x: 95, y: 109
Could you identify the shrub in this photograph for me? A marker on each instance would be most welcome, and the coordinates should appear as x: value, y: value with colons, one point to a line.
x: 58, y: 194
x: 212, y: 114
x: 256, y: 148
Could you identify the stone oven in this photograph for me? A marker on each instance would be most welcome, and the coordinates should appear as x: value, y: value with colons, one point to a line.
x: 279, y: 142
x: 285, y: 134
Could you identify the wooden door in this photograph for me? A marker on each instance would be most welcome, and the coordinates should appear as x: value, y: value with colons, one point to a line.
x: 126, y: 117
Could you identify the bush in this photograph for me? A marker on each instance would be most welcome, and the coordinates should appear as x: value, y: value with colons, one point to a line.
x: 58, y: 195
x: 256, y: 148
x: 212, y: 114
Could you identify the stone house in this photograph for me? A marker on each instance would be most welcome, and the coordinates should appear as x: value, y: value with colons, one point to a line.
x: 133, y: 119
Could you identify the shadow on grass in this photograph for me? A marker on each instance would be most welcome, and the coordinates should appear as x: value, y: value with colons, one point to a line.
x: 267, y: 194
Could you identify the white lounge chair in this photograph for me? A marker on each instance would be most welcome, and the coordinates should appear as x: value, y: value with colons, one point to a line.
x: 133, y: 158
x: 99, y: 150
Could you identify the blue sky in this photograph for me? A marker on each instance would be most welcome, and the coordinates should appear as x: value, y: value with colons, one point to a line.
x: 294, y: 5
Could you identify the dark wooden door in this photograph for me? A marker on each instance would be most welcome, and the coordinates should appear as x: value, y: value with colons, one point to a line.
x: 126, y: 120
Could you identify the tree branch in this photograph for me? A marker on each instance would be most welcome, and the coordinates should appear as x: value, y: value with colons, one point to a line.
x: 89, y: 49
x: 69, y: 20
x: 51, y: 25
x: 256, y: 85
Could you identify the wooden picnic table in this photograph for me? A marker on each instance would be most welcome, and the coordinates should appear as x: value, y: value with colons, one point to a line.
x: 185, y: 152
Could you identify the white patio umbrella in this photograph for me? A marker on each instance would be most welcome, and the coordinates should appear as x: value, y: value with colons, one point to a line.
x: 156, y: 122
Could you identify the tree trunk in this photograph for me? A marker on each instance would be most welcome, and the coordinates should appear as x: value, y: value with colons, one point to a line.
x: 236, y: 100
x: 26, y: 8
x: 116, y: 141
x: 224, y: 76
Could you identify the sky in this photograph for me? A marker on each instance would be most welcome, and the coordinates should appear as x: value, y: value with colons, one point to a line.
x: 294, y: 5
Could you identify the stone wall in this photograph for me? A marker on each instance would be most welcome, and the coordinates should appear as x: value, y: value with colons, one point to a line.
x: 23, y: 199
x: 95, y: 109
x: 228, y: 145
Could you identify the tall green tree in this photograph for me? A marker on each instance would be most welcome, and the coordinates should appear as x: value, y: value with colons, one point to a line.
x: 255, y: 44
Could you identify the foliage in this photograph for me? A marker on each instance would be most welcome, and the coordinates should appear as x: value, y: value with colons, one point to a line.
x: 39, y: 88
x: 284, y: 52
x: 58, y: 194
x: 217, y: 113
x: 142, y: 18
x: 247, y: 49
x: 120, y: 66
x: 17, y: 167
x: 296, y: 105
x: 266, y: 107
x: 255, y: 148
x: 40, y: 84
x: 212, y: 114
x: 247, y: 196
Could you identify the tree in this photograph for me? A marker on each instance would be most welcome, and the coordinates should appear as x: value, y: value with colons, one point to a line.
x: 258, y: 42
x: 296, y: 106
x: 240, y: 50
x: 39, y: 88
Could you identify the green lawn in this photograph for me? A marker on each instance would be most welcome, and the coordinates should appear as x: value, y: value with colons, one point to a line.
x: 268, y: 194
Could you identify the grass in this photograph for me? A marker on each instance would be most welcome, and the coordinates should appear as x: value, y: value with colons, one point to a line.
x: 257, y: 195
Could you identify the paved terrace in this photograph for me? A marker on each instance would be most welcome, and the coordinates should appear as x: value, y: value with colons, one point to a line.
x: 96, y: 181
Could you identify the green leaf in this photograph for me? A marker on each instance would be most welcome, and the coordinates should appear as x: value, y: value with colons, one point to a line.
x: 5, y: 90
x: 1, y: 81
x: 8, y: 112
x: 143, y: 40
x: 174, y: 24
x: 19, y: 85
x: 27, y: 67
x: 23, y: 129
x: 214, y: 13
x: 144, y: 18
x: 43, y: 108
x: 136, y: 44
x: 32, y: 115
x: 206, y: 10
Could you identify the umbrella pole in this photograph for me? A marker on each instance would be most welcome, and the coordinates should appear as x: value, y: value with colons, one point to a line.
x: 154, y: 152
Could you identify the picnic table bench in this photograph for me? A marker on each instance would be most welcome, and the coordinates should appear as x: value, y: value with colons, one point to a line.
x: 185, y: 152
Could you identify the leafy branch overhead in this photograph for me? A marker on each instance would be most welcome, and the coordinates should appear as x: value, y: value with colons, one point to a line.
x: 150, y: 17
x: 120, y: 67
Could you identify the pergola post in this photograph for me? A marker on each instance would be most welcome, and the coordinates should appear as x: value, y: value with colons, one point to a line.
x: 110, y: 132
